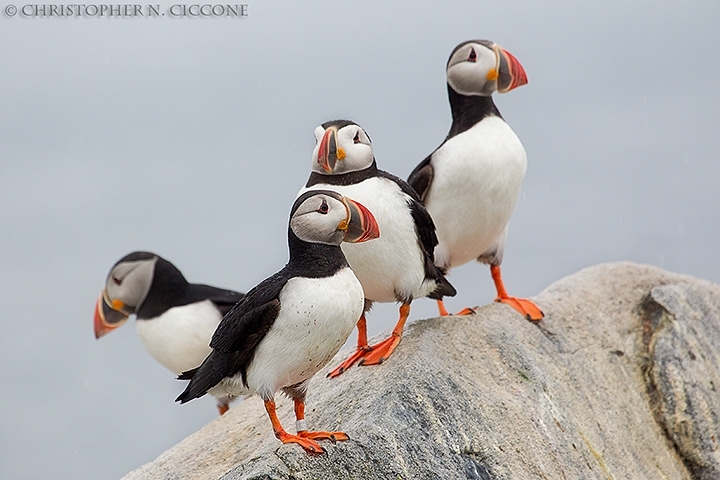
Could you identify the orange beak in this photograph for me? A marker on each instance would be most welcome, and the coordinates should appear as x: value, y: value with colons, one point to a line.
x: 360, y: 224
x: 510, y: 73
x: 328, y: 151
x: 106, y: 318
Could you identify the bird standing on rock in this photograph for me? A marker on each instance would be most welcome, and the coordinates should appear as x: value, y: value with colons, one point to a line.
x: 291, y: 324
x: 399, y: 266
x: 175, y: 319
x: 471, y: 182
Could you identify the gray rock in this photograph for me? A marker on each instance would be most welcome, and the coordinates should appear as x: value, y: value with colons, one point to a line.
x: 683, y: 372
x: 618, y: 381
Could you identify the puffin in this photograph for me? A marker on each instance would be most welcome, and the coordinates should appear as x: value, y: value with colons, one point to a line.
x: 471, y: 182
x: 291, y: 324
x: 399, y: 266
x: 175, y: 319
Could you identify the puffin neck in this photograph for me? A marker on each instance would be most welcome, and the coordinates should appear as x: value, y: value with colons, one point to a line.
x: 350, y: 178
x: 314, y: 260
x: 468, y: 110
x: 167, y: 290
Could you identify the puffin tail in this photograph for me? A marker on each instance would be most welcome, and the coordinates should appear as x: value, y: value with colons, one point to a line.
x: 443, y: 289
x: 203, y: 378
x: 188, y: 375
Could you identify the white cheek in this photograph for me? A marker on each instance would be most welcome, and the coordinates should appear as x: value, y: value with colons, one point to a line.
x: 361, y: 156
x: 464, y: 79
x: 470, y: 78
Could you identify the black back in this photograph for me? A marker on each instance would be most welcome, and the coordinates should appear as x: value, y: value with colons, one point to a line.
x: 170, y: 289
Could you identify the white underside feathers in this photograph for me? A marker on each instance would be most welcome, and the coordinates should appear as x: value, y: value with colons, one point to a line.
x: 477, y: 178
x: 179, y: 339
x: 317, y: 315
x: 393, y: 264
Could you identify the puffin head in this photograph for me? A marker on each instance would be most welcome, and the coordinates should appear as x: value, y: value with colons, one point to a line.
x: 342, y: 147
x: 481, y: 67
x: 325, y: 216
x: 126, y: 287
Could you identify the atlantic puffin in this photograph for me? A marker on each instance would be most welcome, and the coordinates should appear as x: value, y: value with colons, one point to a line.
x: 175, y: 318
x: 291, y: 324
x: 471, y: 182
x: 397, y: 267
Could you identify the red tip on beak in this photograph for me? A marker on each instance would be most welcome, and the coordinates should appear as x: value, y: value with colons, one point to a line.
x: 106, y: 319
x: 327, y: 150
x: 362, y: 225
x: 511, y: 73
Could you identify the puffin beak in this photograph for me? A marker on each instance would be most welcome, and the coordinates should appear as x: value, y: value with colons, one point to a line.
x: 107, y: 318
x: 510, y: 73
x: 329, y: 152
x: 360, y: 225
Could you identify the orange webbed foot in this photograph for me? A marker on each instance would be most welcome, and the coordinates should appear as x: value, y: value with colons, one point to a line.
x: 381, y: 351
x: 466, y: 311
x: 332, y: 436
x: 310, y: 445
x: 351, y: 360
x: 527, y: 308
x: 444, y: 313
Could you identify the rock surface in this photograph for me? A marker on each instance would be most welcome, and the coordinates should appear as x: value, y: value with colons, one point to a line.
x: 620, y: 380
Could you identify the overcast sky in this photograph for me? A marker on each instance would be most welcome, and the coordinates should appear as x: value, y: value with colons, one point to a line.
x: 190, y: 137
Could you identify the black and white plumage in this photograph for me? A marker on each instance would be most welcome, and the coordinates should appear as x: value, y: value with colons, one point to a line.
x: 399, y: 266
x: 175, y: 319
x: 290, y: 325
x: 471, y: 182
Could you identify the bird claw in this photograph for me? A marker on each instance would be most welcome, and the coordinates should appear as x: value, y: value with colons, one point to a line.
x: 381, y: 351
x: 308, y: 444
x: 467, y: 311
x: 334, y: 437
x: 527, y: 308
x: 351, y: 360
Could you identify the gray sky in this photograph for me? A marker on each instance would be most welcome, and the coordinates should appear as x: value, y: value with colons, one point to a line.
x: 190, y: 137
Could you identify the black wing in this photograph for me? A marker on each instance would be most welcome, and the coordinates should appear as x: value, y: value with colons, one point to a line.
x: 223, y: 299
x: 421, y: 178
x: 425, y: 228
x: 424, y: 224
x: 237, y: 337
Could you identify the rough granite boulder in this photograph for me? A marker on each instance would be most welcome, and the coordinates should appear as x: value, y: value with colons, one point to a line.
x: 620, y: 380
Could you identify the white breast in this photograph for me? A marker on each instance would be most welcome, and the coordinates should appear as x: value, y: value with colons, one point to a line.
x: 317, y: 315
x: 180, y: 338
x: 392, y: 263
x: 477, y: 179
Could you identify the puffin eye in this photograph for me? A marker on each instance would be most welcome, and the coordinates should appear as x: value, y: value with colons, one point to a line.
x: 473, y: 56
x: 116, y: 280
x: 356, y: 139
x: 323, y: 208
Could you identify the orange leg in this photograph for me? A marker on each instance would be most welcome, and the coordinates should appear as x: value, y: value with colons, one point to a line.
x: 381, y: 351
x: 441, y: 308
x: 223, y: 408
x: 310, y: 445
x: 362, y: 349
x: 303, y: 432
x: 445, y: 313
x: 526, y: 308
